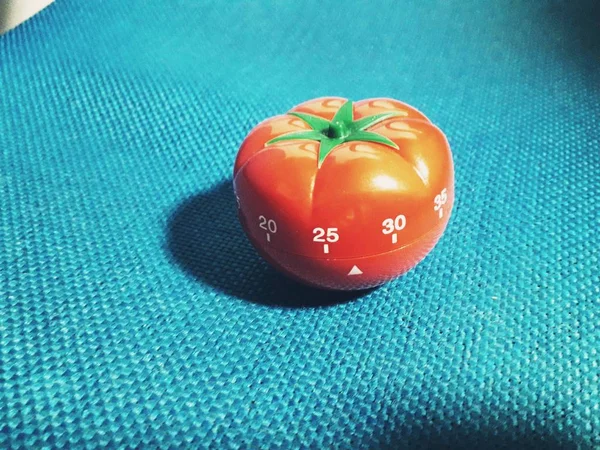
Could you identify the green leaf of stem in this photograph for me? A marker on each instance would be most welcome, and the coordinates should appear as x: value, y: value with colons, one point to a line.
x: 310, y: 135
x: 327, y: 145
x: 315, y: 122
x: 344, y: 115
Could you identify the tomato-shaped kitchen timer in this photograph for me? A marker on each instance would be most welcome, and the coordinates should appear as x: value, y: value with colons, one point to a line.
x: 344, y: 195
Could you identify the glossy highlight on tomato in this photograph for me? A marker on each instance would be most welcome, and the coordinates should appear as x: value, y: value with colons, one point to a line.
x: 345, y: 195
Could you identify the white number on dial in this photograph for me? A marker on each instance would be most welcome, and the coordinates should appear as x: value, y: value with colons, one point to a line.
x: 390, y: 225
x: 331, y: 235
x: 440, y: 200
x: 393, y: 225
x: 268, y: 225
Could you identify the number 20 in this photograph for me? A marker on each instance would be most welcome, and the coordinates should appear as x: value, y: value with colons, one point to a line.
x: 390, y: 225
x: 267, y: 225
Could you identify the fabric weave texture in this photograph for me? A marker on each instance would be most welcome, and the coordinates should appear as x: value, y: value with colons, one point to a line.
x: 133, y: 310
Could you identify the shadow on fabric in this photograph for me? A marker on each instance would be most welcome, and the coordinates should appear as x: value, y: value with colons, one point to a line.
x: 483, y: 438
x: 579, y: 22
x: 205, y: 239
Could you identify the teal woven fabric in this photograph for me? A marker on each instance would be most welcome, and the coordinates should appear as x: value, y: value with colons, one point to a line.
x: 134, y: 313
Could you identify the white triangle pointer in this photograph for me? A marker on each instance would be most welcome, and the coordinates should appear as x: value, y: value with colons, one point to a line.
x: 355, y: 271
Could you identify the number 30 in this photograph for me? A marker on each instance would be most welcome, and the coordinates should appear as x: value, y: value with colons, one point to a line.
x: 390, y: 225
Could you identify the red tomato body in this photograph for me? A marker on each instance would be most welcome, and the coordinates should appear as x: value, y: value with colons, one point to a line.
x: 369, y: 213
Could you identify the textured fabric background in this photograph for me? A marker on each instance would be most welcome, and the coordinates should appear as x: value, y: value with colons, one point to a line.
x: 135, y: 313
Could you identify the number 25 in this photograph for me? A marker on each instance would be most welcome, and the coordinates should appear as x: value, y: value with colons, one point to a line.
x: 332, y: 235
